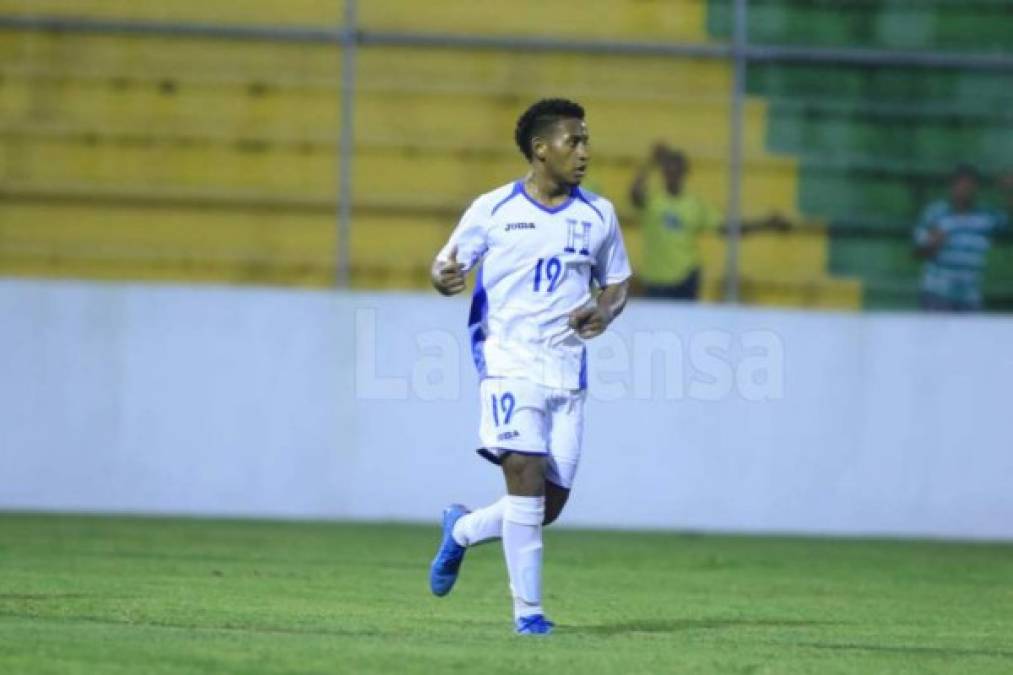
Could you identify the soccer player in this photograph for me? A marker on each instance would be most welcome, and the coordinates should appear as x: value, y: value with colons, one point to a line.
x: 538, y: 243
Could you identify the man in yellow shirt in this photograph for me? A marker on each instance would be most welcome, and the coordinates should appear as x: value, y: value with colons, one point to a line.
x: 673, y: 222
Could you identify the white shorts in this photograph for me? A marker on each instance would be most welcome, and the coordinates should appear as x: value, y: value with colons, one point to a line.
x: 524, y: 417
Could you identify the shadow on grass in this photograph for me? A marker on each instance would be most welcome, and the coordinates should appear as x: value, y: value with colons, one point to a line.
x: 227, y: 627
x: 43, y: 596
x: 680, y: 625
x: 910, y: 650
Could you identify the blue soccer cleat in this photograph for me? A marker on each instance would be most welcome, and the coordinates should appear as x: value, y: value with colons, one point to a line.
x: 447, y: 563
x: 536, y: 624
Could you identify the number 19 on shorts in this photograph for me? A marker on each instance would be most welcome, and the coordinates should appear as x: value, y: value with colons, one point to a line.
x: 502, y: 405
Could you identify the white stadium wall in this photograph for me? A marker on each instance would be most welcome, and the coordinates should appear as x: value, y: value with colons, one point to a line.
x: 259, y: 402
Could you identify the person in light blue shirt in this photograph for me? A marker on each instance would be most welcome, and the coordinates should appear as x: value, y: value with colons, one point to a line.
x: 953, y: 238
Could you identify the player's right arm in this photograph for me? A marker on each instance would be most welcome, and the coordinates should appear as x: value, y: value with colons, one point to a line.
x: 463, y: 251
x: 448, y: 275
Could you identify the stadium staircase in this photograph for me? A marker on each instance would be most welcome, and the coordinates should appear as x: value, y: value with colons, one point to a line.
x: 874, y: 144
x: 204, y: 159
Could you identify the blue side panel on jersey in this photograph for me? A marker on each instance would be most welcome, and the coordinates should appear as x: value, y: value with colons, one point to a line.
x: 476, y: 323
x: 513, y: 193
x: 582, y: 381
x: 479, y: 300
x: 583, y: 198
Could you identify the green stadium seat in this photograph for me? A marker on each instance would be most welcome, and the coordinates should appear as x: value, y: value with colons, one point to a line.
x: 901, y: 24
x: 876, y: 142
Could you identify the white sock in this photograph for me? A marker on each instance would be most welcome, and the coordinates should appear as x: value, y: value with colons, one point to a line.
x: 480, y: 525
x: 522, y: 546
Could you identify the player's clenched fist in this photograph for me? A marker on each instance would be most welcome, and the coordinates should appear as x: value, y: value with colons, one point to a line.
x: 589, y: 321
x: 448, y: 276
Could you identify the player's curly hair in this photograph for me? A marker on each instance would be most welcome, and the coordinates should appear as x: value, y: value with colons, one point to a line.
x: 541, y: 115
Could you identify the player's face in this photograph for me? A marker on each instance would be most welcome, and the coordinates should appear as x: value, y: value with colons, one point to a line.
x: 565, y: 151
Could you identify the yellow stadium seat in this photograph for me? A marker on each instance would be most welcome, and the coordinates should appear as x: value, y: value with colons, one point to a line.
x: 204, y: 159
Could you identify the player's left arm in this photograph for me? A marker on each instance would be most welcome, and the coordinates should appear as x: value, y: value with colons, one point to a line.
x: 592, y: 320
x: 612, y: 272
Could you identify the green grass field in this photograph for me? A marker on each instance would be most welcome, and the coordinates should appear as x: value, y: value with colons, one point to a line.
x: 136, y: 595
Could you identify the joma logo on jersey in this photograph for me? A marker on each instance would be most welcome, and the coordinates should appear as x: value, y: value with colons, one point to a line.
x: 508, y: 435
x: 519, y: 226
x: 578, y: 239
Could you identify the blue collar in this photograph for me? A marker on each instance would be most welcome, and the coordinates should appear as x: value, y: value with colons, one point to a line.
x: 548, y: 209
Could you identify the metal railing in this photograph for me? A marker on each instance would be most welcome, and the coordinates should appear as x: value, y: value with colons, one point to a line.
x: 350, y: 36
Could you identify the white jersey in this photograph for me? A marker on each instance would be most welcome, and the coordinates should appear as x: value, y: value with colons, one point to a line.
x: 537, y: 264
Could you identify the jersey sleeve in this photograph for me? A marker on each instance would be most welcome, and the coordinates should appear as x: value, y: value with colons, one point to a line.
x: 470, y: 237
x: 612, y: 265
